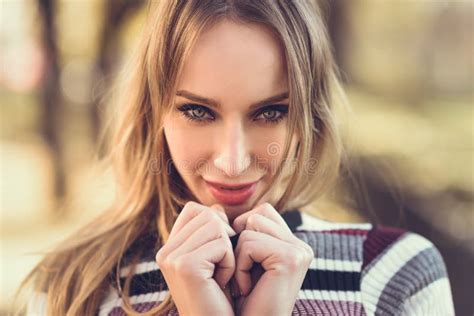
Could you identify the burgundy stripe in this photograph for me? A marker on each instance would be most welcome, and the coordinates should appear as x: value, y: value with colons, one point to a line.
x: 353, y: 232
x: 348, y: 231
x: 378, y: 239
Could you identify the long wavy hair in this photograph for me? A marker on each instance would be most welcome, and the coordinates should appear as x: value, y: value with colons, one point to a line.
x: 75, y: 275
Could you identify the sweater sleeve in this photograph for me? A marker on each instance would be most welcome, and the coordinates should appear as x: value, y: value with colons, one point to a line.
x: 403, y: 273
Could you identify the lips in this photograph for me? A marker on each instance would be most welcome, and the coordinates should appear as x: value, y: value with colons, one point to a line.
x: 231, y: 194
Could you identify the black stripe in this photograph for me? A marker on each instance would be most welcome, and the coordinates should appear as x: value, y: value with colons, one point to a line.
x: 323, y: 280
x: 326, y: 280
x: 148, y: 282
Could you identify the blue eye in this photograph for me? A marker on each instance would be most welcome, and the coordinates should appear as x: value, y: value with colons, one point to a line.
x: 279, y: 112
x: 271, y: 114
x: 195, y: 113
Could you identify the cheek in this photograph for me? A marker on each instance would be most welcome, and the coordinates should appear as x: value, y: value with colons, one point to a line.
x: 186, y: 146
x: 270, y: 144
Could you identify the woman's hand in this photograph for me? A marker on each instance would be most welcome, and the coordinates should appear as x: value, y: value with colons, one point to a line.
x: 282, y: 261
x: 197, y: 261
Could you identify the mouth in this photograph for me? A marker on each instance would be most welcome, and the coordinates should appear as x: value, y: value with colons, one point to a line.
x: 231, y: 194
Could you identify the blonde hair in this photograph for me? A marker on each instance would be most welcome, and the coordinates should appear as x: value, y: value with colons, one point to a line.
x: 75, y: 275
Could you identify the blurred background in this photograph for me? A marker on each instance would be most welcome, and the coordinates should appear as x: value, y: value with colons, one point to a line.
x: 407, y: 66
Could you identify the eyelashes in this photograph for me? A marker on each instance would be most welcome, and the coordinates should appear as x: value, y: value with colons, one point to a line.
x: 194, y: 112
x: 201, y: 114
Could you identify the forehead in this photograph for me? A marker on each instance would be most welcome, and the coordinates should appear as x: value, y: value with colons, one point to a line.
x: 235, y: 62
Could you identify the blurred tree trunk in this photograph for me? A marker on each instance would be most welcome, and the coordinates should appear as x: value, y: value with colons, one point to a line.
x: 338, y: 28
x: 51, y: 100
x: 117, y: 12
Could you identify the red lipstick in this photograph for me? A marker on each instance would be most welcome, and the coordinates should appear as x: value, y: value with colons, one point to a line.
x: 231, y: 194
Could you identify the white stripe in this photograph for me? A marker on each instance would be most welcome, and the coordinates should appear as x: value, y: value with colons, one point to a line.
x: 434, y: 299
x: 140, y: 268
x: 388, y: 265
x: 343, y: 296
x: 313, y: 223
x: 335, y: 265
x: 316, y: 263
x: 107, y: 307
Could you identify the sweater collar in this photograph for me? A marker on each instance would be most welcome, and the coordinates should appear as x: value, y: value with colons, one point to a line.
x: 293, y: 219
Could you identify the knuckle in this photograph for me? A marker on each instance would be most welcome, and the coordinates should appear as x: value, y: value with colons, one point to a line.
x: 308, y: 250
x: 209, y: 215
x: 164, y: 263
x: 162, y: 256
x: 213, y: 219
x: 217, y: 231
x: 223, y: 243
x: 295, y: 260
x: 254, y: 218
x: 245, y: 235
x: 245, y: 247
x: 266, y: 208
x: 206, y: 214
x: 182, y: 265
x: 189, y: 206
x: 159, y: 257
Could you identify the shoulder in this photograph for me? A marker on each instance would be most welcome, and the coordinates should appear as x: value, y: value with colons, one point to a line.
x: 400, y: 267
x: 399, y: 248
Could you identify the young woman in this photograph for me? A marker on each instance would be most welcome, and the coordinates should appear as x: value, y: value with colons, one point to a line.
x: 227, y: 130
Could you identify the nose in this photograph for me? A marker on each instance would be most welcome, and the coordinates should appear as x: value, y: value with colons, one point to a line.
x: 233, y: 154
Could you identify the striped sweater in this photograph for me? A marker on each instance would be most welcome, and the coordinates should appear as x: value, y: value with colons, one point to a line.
x: 358, y: 269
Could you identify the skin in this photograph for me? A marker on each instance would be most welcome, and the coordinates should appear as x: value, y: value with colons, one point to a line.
x: 237, y: 65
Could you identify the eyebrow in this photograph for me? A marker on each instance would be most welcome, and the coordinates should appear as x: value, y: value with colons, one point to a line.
x: 196, y: 98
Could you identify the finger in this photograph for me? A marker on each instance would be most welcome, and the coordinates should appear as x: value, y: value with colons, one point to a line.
x: 204, y: 234
x: 221, y: 212
x: 219, y: 253
x: 193, y: 209
x: 196, y: 222
x: 260, y: 223
x: 244, y: 263
x: 265, y: 209
x: 190, y: 210
x: 255, y: 247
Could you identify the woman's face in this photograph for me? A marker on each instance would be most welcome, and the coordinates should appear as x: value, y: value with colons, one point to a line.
x: 228, y: 123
